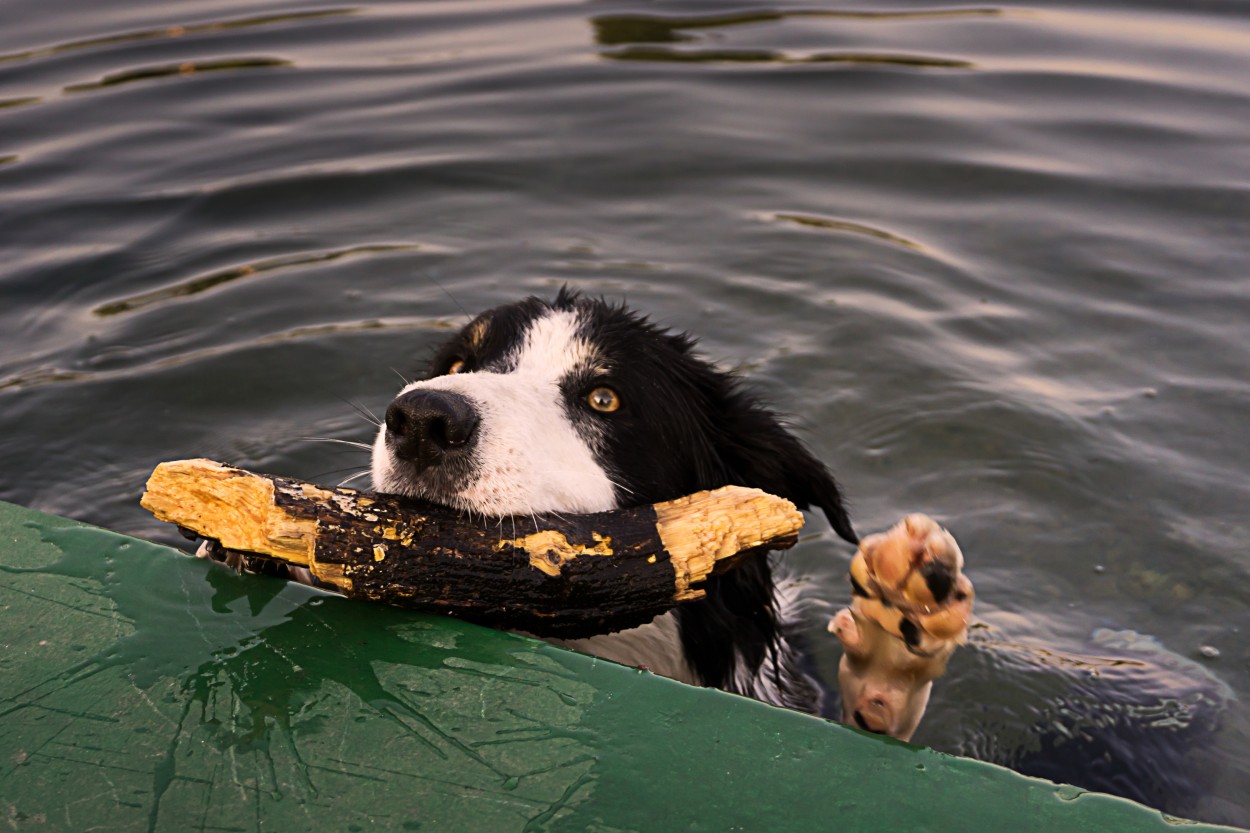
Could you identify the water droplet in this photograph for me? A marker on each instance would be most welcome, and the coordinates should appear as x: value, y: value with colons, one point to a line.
x: 511, y: 783
x: 1100, y: 569
x: 1209, y: 652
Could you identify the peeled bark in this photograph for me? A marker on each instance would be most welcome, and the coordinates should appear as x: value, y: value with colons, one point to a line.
x: 567, y: 576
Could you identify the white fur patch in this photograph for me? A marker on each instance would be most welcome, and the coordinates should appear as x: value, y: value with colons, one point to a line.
x: 530, y: 457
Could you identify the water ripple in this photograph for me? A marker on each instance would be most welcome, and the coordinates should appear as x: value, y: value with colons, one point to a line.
x: 830, y: 224
x: 146, y: 363
x: 183, y: 69
x: 770, y: 56
x: 212, y: 280
x: 22, y: 101
x: 171, y: 32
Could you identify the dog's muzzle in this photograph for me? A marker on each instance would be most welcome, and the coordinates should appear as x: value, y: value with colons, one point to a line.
x: 425, y: 428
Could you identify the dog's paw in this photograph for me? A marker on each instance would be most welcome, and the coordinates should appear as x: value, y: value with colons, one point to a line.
x: 909, y: 579
x: 915, y: 563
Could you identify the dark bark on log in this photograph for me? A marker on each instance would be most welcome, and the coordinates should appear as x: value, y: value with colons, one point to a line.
x: 561, y: 576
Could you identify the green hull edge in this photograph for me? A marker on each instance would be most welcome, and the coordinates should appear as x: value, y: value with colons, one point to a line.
x: 144, y: 690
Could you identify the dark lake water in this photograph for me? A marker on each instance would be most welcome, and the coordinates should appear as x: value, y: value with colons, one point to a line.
x: 994, y: 259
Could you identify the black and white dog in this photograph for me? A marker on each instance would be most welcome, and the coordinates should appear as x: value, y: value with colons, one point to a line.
x: 581, y: 406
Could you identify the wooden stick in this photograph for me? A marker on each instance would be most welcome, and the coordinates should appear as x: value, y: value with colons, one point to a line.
x: 566, y: 576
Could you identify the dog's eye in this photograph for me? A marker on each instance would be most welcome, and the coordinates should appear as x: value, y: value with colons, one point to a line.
x: 456, y: 367
x: 604, y: 400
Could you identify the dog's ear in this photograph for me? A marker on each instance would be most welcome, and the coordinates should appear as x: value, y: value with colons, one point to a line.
x: 758, y: 451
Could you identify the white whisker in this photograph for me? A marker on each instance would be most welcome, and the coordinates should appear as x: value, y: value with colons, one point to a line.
x: 352, y: 443
x: 368, y: 415
x: 356, y: 476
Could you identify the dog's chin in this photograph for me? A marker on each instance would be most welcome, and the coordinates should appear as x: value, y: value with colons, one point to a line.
x: 438, y: 484
x: 434, y: 485
x: 466, y: 491
x: 488, y: 493
x: 496, y: 489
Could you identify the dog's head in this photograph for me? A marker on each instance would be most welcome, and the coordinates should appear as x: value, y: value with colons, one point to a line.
x: 580, y: 406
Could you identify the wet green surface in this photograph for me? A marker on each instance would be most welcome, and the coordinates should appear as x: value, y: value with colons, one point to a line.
x: 144, y: 690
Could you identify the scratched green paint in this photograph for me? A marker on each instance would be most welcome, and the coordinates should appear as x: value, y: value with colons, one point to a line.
x: 141, y: 690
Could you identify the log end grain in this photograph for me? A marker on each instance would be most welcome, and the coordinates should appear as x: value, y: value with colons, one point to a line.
x: 701, y: 529
x: 231, y: 506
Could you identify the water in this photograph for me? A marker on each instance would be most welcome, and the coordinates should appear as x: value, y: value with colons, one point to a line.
x: 993, y: 259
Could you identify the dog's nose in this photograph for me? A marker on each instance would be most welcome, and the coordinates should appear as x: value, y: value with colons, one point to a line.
x: 425, y: 426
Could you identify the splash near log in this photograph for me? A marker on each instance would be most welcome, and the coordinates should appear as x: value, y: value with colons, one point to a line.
x: 558, y: 576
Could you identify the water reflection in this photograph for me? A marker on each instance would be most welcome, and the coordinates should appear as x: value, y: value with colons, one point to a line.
x: 1130, y: 717
x: 618, y: 29
x: 642, y: 37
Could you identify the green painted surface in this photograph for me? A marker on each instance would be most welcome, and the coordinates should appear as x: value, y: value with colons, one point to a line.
x: 143, y: 690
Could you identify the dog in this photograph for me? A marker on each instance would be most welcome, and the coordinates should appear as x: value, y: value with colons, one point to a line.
x: 580, y: 405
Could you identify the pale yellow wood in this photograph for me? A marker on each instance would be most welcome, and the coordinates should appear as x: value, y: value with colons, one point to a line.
x: 700, y: 529
x: 331, y: 574
x: 229, y: 505
x: 550, y: 549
